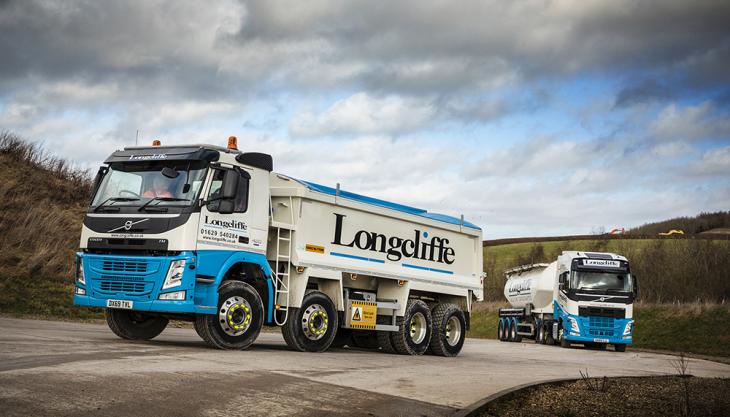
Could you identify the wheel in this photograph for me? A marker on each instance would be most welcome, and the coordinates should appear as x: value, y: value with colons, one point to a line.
x: 510, y: 328
x: 414, y: 329
x: 564, y: 343
x: 500, y: 330
x: 238, y: 321
x: 619, y: 347
x: 342, y: 338
x: 549, y: 339
x: 515, y: 337
x: 365, y: 339
x: 449, y: 330
x: 313, y: 326
x: 538, y: 326
x: 134, y: 325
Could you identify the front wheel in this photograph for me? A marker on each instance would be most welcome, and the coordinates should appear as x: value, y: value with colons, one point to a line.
x: 619, y: 347
x: 239, y: 318
x: 449, y: 330
x: 134, y: 325
x: 313, y: 326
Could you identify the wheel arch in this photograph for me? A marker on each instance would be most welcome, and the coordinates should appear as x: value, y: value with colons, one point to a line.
x: 253, y: 269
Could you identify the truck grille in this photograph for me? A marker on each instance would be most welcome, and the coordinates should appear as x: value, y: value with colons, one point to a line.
x: 123, y: 266
x: 125, y: 287
x: 617, y: 313
x: 600, y: 326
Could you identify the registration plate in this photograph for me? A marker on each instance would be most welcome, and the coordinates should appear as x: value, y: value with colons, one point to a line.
x: 120, y: 304
x: 600, y: 340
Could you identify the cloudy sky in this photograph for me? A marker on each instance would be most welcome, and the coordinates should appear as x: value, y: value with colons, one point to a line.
x: 529, y: 117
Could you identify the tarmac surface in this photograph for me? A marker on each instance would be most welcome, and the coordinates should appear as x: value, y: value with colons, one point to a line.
x: 76, y: 369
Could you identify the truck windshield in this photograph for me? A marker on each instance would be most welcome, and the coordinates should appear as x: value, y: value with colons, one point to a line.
x: 137, y: 184
x: 595, y: 280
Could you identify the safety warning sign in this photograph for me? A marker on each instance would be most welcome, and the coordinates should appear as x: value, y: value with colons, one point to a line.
x: 362, y: 314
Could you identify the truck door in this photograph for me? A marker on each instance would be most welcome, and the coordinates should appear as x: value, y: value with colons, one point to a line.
x: 225, y: 216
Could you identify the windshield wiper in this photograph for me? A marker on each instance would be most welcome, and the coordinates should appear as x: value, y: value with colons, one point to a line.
x: 143, y: 206
x: 114, y: 199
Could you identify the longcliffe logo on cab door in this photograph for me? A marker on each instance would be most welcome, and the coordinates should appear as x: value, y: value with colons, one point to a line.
x: 434, y: 250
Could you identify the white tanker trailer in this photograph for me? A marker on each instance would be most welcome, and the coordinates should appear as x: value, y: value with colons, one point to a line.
x: 582, y: 297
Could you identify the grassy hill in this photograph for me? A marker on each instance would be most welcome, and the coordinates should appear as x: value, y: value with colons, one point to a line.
x: 42, y: 200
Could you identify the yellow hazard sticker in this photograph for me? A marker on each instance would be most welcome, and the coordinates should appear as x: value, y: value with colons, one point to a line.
x: 363, y: 314
x: 314, y: 248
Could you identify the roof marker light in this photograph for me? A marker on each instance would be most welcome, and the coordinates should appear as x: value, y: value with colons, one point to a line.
x: 232, y: 143
x: 156, y: 142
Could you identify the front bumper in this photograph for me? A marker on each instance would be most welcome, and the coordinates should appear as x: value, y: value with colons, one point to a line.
x: 599, y: 330
x: 139, y: 279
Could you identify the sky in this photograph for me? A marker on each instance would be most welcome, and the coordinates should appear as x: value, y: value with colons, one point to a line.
x: 530, y: 118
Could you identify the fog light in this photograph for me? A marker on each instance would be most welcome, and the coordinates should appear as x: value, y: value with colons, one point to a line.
x: 177, y: 295
x: 80, y: 291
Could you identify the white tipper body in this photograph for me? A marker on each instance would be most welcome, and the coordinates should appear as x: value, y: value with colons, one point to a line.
x: 314, y: 216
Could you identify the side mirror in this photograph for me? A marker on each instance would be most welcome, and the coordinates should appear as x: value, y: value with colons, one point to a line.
x: 230, y: 185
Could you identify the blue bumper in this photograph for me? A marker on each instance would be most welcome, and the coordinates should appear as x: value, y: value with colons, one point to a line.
x: 139, y: 279
x: 595, y: 328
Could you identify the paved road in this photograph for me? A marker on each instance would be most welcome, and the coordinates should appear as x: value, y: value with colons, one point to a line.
x: 59, y: 368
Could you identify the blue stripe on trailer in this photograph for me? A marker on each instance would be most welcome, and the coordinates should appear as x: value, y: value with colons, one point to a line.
x: 361, y: 258
x: 442, y: 271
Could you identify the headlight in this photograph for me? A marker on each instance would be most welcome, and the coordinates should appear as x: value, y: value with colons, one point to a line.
x: 574, y: 325
x: 80, y: 271
x: 629, y: 328
x: 80, y: 291
x: 174, y: 275
x: 177, y: 295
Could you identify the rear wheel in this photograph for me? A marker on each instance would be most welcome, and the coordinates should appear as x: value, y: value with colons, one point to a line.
x: 500, y: 330
x: 239, y: 318
x: 449, y: 330
x: 313, y: 326
x: 365, y: 339
x: 384, y: 338
x: 549, y: 339
x: 414, y: 329
x: 619, y: 347
x: 515, y: 337
x: 538, y: 331
x: 134, y: 325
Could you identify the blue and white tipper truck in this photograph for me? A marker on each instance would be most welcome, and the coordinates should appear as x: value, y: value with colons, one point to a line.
x: 583, y: 297
x: 212, y: 235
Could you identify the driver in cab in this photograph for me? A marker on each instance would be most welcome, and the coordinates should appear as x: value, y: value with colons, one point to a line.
x: 161, y: 187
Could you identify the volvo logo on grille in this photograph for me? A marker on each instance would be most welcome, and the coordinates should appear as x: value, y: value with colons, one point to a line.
x: 127, y: 225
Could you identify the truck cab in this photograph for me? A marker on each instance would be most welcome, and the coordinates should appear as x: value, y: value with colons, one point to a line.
x: 594, y: 299
x: 164, y: 227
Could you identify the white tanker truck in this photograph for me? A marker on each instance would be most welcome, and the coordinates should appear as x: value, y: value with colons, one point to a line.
x: 582, y: 297
x: 211, y: 235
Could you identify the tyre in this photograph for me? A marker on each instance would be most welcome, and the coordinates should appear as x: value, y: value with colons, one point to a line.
x: 619, y: 347
x: 549, y: 339
x: 384, y: 340
x: 449, y: 330
x: 538, y: 332
x: 313, y: 326
x: 510, y: 327
x: 414, y: 329
x: 365, y: 339
x: 134, y: 325
x: 564, y: 343
x: 342, y: 338
x: 515, y: 337
x: 238, y: 321
x: 500, y: 330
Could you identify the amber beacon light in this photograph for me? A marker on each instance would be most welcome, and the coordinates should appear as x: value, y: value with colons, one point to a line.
x: 156, y: 142
x: 232, y: 142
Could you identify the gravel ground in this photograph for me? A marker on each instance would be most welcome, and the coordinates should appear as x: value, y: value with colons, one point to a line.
x: 640, y: 397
